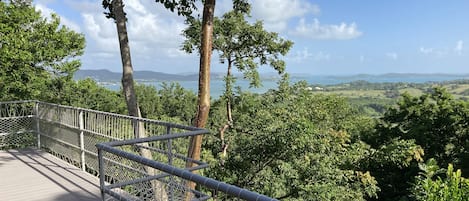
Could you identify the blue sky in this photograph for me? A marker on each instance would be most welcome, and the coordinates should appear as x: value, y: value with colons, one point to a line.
x: 332, y: 37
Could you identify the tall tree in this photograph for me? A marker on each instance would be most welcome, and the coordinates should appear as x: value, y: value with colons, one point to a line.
x: 116, y: 12
x: 242, y: 45
x: 184, y: 8
x: 34, y: 51
x: 203, y: 103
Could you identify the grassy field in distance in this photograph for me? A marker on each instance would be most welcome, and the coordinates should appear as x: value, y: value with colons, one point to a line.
x: 374, y: 98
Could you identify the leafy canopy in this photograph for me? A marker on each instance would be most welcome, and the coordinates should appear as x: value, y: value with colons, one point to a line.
x: 182, y: 7
x: 292, y: 144
x: 430, y: 186
x: 434, y: 123
x: 33, y: 51
x: 240, y: 43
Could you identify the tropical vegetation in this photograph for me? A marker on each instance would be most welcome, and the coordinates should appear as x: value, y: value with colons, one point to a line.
x: 290, y: 143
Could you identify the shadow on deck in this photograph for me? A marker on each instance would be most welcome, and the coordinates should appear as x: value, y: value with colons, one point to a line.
x: 32, y: 174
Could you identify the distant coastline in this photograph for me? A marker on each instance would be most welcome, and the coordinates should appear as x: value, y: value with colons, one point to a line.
x: 104, y: 75
x: 111, y: 80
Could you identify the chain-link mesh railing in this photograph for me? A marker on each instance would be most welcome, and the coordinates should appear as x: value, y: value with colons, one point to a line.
x: 130, y: 168
x: 142, y: 182
x: 16, y: 124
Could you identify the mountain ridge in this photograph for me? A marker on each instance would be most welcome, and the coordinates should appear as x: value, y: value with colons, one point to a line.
x: 104, y: 75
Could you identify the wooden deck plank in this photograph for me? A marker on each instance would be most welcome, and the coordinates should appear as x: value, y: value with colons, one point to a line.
x: 31, y: 174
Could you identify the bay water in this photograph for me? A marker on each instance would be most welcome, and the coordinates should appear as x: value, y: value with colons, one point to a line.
x: 217, y: 86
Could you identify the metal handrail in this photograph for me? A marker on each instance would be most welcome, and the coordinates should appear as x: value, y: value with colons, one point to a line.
x: 182, y: 173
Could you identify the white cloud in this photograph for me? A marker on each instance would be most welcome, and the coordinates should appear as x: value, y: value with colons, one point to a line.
x: 318, y: 31
x: 305, y: 54
x: 442, y: 52
x: 426, y: 50
x: 153, y: 31
x: 47, y: 12
x: 176, y: 53
x: 104, y: 55
x: 136, y: 6
x: 321, y: 56
x: 438, y: 53
x: 459, y: 47
x: 101, y: 32
x: 85, y: 6
x: 299, y: 56
x: 221, y: 7
x: 392, y: 55
x: 277, y: 13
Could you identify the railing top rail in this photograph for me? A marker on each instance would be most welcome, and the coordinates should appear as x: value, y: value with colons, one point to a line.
x: 20, y: 101
x: 163, y: 123
x: 156, y: 138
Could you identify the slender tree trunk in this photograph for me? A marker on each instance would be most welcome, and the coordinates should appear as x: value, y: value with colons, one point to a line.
x: 203, y: 103
x: 229, y: 118
x: 159, y: 192
x: 228, y: 101
x: 127, y: 70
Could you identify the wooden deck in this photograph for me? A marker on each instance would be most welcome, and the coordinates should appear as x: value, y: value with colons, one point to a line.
x: 31, y: 174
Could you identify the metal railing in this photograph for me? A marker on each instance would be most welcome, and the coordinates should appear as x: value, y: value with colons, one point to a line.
x: 104, y: 145
x: 169, y: 170
x: 17, y: 124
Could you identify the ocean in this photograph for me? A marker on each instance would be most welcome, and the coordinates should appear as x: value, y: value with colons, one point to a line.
x: 217, y: 86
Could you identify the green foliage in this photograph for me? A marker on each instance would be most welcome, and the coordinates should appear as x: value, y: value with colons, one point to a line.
x: 291, y: 144
x: 453, y: 187
x: 374, y: 107
x: 171, y: 101
x: 34, y: 51
x: 436, y: 121
x: 393, y: 164
x: 183, y: 7
x: 365, y: 85
x: 434, y: 124
x: 240, y: 44
x: 86, y: 94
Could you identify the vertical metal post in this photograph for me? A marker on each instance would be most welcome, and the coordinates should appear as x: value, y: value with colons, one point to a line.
x: 170, y: 146
x: 36, y: 117
x: 82, y: 141
x: 170, y: 162
x: 101, y: 172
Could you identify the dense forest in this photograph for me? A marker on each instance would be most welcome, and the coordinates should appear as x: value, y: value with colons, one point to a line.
x: 290, y: 143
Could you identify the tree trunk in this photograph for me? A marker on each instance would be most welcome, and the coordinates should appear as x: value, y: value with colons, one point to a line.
x: 228, y: 101
x: 203, y: 103
x: 159, y: 191
x: 127, y: 70
x: 229, y: 118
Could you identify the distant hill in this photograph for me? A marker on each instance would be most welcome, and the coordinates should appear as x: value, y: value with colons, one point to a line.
x: 109, y: 76
x: 142, y: 76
